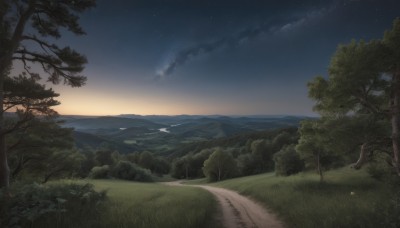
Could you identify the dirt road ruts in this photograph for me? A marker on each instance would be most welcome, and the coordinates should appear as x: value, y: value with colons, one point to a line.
x: 239, y: 211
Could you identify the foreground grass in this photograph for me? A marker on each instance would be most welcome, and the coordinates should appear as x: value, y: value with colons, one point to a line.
x: 348, y: 198
x: 142, y: 205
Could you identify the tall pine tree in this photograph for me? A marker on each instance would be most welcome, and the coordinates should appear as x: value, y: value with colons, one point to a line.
x: 44, y: 18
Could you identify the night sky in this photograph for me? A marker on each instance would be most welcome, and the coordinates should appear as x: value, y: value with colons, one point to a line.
x: 225, y: 57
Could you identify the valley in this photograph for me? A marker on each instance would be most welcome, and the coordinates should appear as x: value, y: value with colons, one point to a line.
x: 163, y: 134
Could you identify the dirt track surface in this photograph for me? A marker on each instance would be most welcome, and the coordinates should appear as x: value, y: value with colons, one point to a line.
x: 239, y: 211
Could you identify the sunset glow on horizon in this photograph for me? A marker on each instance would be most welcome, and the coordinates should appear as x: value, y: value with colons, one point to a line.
x: 186, y: 57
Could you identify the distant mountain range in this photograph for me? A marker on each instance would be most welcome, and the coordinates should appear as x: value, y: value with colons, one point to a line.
x: 129, y: 133
x: 109, y: 122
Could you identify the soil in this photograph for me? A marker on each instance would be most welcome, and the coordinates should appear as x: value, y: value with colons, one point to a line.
x: 239, y: 211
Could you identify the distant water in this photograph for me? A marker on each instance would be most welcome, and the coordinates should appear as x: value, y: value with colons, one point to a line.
x: 164, y: 129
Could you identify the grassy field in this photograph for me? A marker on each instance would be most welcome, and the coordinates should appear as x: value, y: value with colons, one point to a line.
x: 348, y: 198
x: 142, y: 205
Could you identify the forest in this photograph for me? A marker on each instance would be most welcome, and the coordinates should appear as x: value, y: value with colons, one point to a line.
x: 51, y: 165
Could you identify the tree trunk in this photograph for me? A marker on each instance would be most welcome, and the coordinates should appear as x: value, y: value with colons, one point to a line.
x: 395, y: 120
x: 363, y: 157
x: 7, y: 49
x: 319, y: 168
x: 4, y: 168
x: 18, y: 169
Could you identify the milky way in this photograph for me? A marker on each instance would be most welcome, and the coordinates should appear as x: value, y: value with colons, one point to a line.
x: 245, y: 35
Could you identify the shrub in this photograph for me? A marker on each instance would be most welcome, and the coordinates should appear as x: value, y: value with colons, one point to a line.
x: 100, y: 172
x: 288, y: 162
x: 128, y: 171
x: 143, y: 175
x: 43, y: 204
x: 379, y: 168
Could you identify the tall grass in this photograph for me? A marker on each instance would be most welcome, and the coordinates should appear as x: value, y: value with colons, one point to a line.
x: 141, y: 205
x: 348, y: 198
x: 156, y: 205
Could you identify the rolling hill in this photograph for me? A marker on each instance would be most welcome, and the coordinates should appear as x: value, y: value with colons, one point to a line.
x: 110, y: 122
x: 163, y: 134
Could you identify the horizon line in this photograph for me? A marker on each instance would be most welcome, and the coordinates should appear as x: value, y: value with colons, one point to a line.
x: 220, y: 115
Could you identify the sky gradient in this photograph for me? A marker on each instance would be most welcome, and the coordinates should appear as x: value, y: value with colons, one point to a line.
x: 213, y: 56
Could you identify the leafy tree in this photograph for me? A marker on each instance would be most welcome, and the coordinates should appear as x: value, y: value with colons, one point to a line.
x: 132, y: 157
x: 197, y: 162
x: 283, y: 139
x: 391, y: 41
x: 180, y: 168
x: 183, y: 167
x: 312, y: 146
x: 29, y: 99
x: 364, y: 78
x: 100, y: 172
x: 26, y: 29
x: 58, y: 164
x: 262, y: 151
x: 191, y: 165
x: 146, y: 160
x: 287, y: 161
x: 220, y: 165
x: 35, y: 144
x: 44, y: 148
x: 247, y: 164
x: 364, y: 133
x: 104, y: 157
x: 128, y: 171
x: 161, y: 166
x: 87, y: 163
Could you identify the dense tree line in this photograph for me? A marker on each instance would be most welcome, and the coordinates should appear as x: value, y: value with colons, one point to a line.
x: 105, y: 163
x: 232, y: 142
x: 253, y: 157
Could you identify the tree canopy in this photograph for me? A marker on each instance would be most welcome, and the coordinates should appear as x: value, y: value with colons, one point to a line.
x: 364, y: 85
x: 220, y: 165
x: 28, y: 34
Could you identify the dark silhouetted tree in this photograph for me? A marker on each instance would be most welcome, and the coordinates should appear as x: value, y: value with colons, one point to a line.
x: 33, y: 148
x: 27, y: 31
x: 287, y: 161
x: 146, y: 160
x: 104, y: 157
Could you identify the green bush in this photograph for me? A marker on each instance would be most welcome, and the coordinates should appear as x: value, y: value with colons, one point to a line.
x: 288, y: 162
x: 379, y: 168
x: 45, y: 205
x: 128, y: 171
x: 100, y: 172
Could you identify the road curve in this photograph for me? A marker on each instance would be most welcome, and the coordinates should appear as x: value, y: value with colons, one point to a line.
x: 239, y: 211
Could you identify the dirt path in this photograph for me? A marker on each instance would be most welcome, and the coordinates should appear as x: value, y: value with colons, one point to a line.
x: 239, y: 211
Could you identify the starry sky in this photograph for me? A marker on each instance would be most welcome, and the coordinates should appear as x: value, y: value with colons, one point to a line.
x: 229, y: 57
